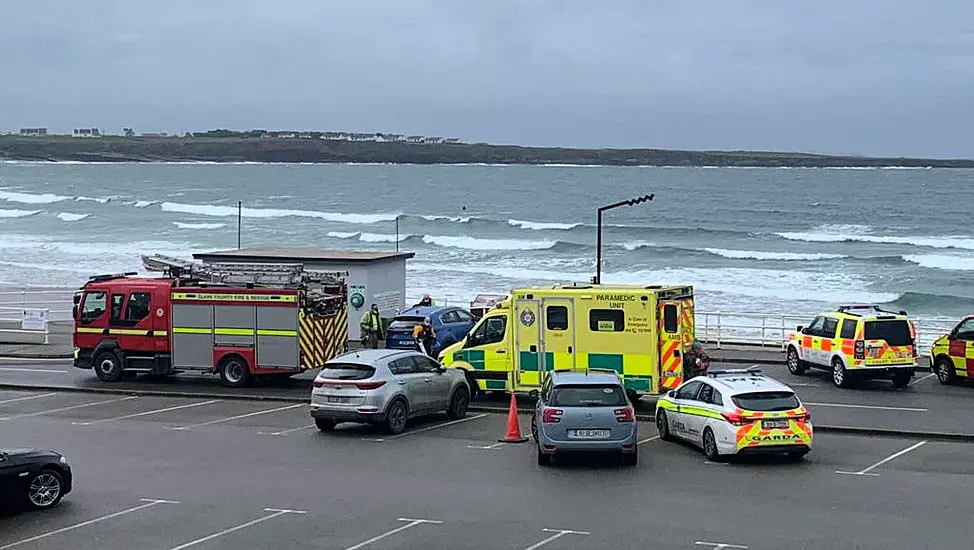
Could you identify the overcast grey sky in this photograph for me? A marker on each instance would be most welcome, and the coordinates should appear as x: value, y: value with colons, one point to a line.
x: 884, y: 77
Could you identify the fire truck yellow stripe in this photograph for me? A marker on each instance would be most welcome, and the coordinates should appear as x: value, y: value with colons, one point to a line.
x: 121, y: 331
x: 190, y: 330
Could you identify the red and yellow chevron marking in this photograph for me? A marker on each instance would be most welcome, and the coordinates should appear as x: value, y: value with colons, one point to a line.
x: 688, y: 322
x: 798, y: 432
x: 671, y: 365
x: 322, y: 338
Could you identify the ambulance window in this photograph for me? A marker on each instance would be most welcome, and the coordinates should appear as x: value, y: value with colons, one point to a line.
x: 94, y: 306
x: 828, y: 329
x: 138, y: 306
x: 607, y: 320
x: 556, y: 318
x: 848, y: 329
x: 669, y: 319
x: 117, y: 300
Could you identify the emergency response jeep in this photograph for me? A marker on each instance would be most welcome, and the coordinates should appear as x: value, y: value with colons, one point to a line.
x: 856, y: 342
x: 952, y: 355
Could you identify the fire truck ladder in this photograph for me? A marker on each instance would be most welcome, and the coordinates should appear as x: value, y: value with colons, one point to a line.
x: 284, y: 275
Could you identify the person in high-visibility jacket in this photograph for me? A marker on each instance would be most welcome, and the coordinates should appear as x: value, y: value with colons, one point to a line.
x: 425, y: 336
x: 371, y: 326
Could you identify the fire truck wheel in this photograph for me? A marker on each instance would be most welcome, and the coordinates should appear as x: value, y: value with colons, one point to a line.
x: 234, y: 371
x: 108, y: 366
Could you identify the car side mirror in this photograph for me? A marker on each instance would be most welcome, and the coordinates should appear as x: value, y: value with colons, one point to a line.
x: 74, y: 312
x: 671, y: 393
x: 801, y: 329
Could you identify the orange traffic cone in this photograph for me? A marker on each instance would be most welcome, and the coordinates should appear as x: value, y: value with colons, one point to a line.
x: 513, y: 425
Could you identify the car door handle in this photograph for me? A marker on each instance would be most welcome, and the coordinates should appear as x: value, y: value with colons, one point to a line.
x: 502, y: 351
x: 428, y: 380
x: 402, y: 382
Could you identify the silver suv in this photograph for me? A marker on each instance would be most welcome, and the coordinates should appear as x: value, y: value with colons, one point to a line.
x: 386, y: 387
x: 584, y: 411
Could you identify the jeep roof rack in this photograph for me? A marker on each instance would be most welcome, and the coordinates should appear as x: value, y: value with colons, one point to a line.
x: 853, y: 308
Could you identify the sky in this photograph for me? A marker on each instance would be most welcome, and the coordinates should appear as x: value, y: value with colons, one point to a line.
x: 880, y: 77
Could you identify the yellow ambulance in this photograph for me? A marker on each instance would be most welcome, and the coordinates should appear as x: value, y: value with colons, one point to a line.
x: 641, y: 332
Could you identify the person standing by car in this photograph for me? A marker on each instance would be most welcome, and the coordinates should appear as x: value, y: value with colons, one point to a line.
x: 371, y: 325
x: 426, y: 301
x: 425, y: 336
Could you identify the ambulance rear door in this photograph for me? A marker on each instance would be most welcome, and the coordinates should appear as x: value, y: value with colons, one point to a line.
x: 671, y: 343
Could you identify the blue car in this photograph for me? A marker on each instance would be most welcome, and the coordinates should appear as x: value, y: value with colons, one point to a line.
x: 450, y: 324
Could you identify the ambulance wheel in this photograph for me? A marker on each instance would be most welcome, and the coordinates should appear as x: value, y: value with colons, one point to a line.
x: 663, y: 427
x: 901, y: 378
x: 840, y: 376
x: 234, y: 371
x: 108, y: 366
x: 946, y: 374
x: 710, y: 446
x: 795, y: 365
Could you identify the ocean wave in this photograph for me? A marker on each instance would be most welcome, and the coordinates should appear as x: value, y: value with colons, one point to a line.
x: 542, y: 226
x: 100, y: 200
x: 936, y: 261
x: 186, y: 225
x: 474, y: 243
x: 224, y: 211
x: 31, y: 198
x: 143, y: 204
x: 759, y: 255
x: 855, y: 233
x: 69, y: 217
x: 911, y: 301
x: 369, y: 237
x: 454, y: 219
x: 14, y: 213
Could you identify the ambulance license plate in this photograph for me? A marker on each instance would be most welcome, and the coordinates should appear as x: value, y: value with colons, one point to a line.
x: 332, y: 399
x: 774, y: 424
x: 588, y: 434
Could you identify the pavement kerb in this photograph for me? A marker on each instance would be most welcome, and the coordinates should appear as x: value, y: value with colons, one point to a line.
x: 851, y: 430
x: 37, y: 356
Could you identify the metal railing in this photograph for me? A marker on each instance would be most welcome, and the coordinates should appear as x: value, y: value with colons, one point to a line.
x: 12, y: 320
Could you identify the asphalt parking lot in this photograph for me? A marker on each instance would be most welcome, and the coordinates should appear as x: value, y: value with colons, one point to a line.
x: 174, y: 473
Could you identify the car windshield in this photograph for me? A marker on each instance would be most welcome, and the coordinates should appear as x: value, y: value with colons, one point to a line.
x: 347, y: 371
x: 896, y: 333
x: 767, y: 401
x: 587, y: 395
x: 405, y: 323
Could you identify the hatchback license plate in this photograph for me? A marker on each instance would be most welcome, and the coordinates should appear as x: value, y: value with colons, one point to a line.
x: 337, y: 399
x: 588, y: 434
x: 774, y: 424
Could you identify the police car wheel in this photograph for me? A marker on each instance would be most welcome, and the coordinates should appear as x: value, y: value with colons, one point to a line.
x: 795, y: 365
x: 663, y: 427
x: 945, y: 371
x: 710, y: 446
x: 840, y: 376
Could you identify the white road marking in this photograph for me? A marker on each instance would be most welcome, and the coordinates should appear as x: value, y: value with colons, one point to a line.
x: 647, y: 440
x: 24, y: 369
x: 28, y: 398
x: 718, y: 545
x: 558, y: 533
x: 918, y: 380
x: 146, y: 413
x: 291, y: 431
x: 412, y: 523
x: 426, y: 429
x: 149, y: 502
x: 276, y: 512
x: 873, y: 407
x: 41, y: 413
x: 865, y: 472
x: 488, y: 447
x: 237, y: 417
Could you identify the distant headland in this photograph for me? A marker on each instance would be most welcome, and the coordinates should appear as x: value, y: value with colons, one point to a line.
x: 90, y: 145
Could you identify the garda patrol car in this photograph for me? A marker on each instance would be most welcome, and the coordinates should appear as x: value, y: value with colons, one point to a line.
x: 736, y: 412
x: 952, y: 355
x: 856, y: 342
x: 640, y: 332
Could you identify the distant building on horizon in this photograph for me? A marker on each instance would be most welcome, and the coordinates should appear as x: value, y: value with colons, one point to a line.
x: 33, y: 131
x: 86, y: 132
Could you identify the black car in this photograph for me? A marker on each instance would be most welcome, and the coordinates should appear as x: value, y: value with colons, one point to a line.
x: 34, y: 478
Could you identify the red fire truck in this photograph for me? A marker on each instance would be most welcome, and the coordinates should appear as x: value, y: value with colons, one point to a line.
x: 235, y: 320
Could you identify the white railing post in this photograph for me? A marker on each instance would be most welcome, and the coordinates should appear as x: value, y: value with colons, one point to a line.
x: 718, y: 330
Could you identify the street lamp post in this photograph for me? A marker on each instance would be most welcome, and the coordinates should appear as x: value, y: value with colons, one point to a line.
x: 598, y: 259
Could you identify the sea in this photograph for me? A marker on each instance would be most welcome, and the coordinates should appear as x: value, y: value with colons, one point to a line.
x: 763, y: 240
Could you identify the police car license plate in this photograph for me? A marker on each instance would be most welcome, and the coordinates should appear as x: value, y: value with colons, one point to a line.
x: 774, y: 424
x: 588, y: 434
x: 332, y: 399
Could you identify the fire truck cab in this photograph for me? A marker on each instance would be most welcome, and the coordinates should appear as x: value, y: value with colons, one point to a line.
x: 125, y: 324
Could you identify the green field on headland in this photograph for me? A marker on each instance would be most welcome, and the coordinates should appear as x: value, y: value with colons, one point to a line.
x: 269, y: 149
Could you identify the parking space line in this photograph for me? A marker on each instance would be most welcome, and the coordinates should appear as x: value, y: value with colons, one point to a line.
x: 24, y: 369
x: 865, y: 472
x: 291, y: 431
x: 275, y: 512
x: 426, y: 429
x: 487, y: 447
x: 237, y: 417
x: 148, y: 503
x: 647, y: 440
x: 146, y: 413
x: 558, y: 533
x: 873, y: 407
x: 921, y: 379
x: 27, y: 398
x: 62, y: 409
x: 719, y: 545
x: 412, y: 523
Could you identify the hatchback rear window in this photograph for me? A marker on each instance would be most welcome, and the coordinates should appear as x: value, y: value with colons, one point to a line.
x: 896, y: 333
x: 587, y: 396
x: 347, y: 371
x: 405, y: 323
x: 767, y: 401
